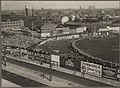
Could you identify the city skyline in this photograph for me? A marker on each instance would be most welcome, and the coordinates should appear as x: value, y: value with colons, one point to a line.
x: 19, y: 5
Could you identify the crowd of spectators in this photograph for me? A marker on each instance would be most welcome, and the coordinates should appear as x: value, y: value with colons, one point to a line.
x: 20, y: 41
x: 17, y: 40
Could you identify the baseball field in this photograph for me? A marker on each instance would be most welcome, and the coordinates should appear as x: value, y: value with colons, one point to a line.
x: 104, y: 48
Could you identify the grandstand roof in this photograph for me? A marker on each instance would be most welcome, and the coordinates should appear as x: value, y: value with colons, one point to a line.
x: 80, y: 23
x: 47, y: 27
x: 101, y: 24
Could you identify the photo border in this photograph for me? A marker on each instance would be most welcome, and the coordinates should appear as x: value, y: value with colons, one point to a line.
x: 47, y: 0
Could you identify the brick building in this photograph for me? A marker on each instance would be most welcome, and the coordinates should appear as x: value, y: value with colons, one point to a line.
x: 16, y: 24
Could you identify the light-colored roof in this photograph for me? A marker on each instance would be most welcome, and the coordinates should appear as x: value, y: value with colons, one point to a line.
x: 103, y: 29
x: 81, y: 23
x: 64, y: 29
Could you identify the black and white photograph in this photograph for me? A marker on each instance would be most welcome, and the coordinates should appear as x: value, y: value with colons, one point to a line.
x: 60, y: 44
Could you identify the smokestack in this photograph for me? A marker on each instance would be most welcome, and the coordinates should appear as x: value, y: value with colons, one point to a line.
x: 32, y: 12
x: 26, y: 11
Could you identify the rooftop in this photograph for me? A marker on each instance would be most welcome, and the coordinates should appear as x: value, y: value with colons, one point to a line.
x: 47, y: 27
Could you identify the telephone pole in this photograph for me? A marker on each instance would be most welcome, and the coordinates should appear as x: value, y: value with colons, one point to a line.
x: 32, y: 21
x: 50, y: 68
x: 119, y: 41
x: 4, y: 57
x: 32, y: 28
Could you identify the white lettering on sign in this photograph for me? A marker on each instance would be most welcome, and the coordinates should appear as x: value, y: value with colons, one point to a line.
x: 69, y: 63
x: 56, y: 58
x: 91, y: 68
x: 118, y: 71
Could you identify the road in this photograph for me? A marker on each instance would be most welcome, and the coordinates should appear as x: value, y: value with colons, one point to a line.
x: 59, y: 78
x: 19, y: 80
x: 6, y: 83
x: 59, y: 81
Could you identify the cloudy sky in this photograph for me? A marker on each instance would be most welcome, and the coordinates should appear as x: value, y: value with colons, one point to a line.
x: 13, y: 5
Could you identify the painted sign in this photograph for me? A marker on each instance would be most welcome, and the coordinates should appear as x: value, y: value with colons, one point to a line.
x: 91, y: 68
x: 69, y: 62
x: 118, y: 75
x: 110, y: 73
x: 56, y: 58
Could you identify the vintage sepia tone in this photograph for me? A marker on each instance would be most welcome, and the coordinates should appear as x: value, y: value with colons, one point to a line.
x: 60, y: 44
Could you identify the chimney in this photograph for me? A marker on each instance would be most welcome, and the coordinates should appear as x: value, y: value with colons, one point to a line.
x: 32, y: 12
x: 26, y: 11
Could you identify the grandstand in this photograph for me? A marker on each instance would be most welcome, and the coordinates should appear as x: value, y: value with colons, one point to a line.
x: 19, y: 39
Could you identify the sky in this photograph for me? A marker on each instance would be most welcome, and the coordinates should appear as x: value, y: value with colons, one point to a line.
x: 18, y: 5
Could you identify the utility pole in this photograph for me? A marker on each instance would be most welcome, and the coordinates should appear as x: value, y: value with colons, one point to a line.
x: 32, y: 20
x: 4, y: 57
x: 50, y: 68
x: 83, y: 73
x: 119, y: 42
x: 32, y: 28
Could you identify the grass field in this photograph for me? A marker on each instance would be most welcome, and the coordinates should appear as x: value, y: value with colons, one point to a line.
x: 59, y: 46
x: 104, y: 48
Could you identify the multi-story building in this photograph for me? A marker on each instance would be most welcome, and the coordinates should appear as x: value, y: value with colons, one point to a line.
x: 12, y: 24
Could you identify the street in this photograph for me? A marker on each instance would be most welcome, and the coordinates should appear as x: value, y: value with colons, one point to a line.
x: 59, y: 78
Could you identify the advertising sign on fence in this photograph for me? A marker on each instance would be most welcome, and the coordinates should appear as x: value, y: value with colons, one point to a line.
x: 69, y: 62
x: 91, y: 68
x: 56, y: 58
x: 110, y: 73
x: 118, y: 75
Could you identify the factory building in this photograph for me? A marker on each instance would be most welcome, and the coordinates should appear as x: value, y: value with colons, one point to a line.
x: 12, y: 24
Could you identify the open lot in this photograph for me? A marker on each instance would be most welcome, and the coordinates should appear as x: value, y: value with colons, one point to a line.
x: 104, y: 48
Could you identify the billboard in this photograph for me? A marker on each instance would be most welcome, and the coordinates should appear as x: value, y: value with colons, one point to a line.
x: 91, y: 68
x: 69, y: 62
x: 110, y: 73
x: 56, y: 58
x: 118, y: 75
